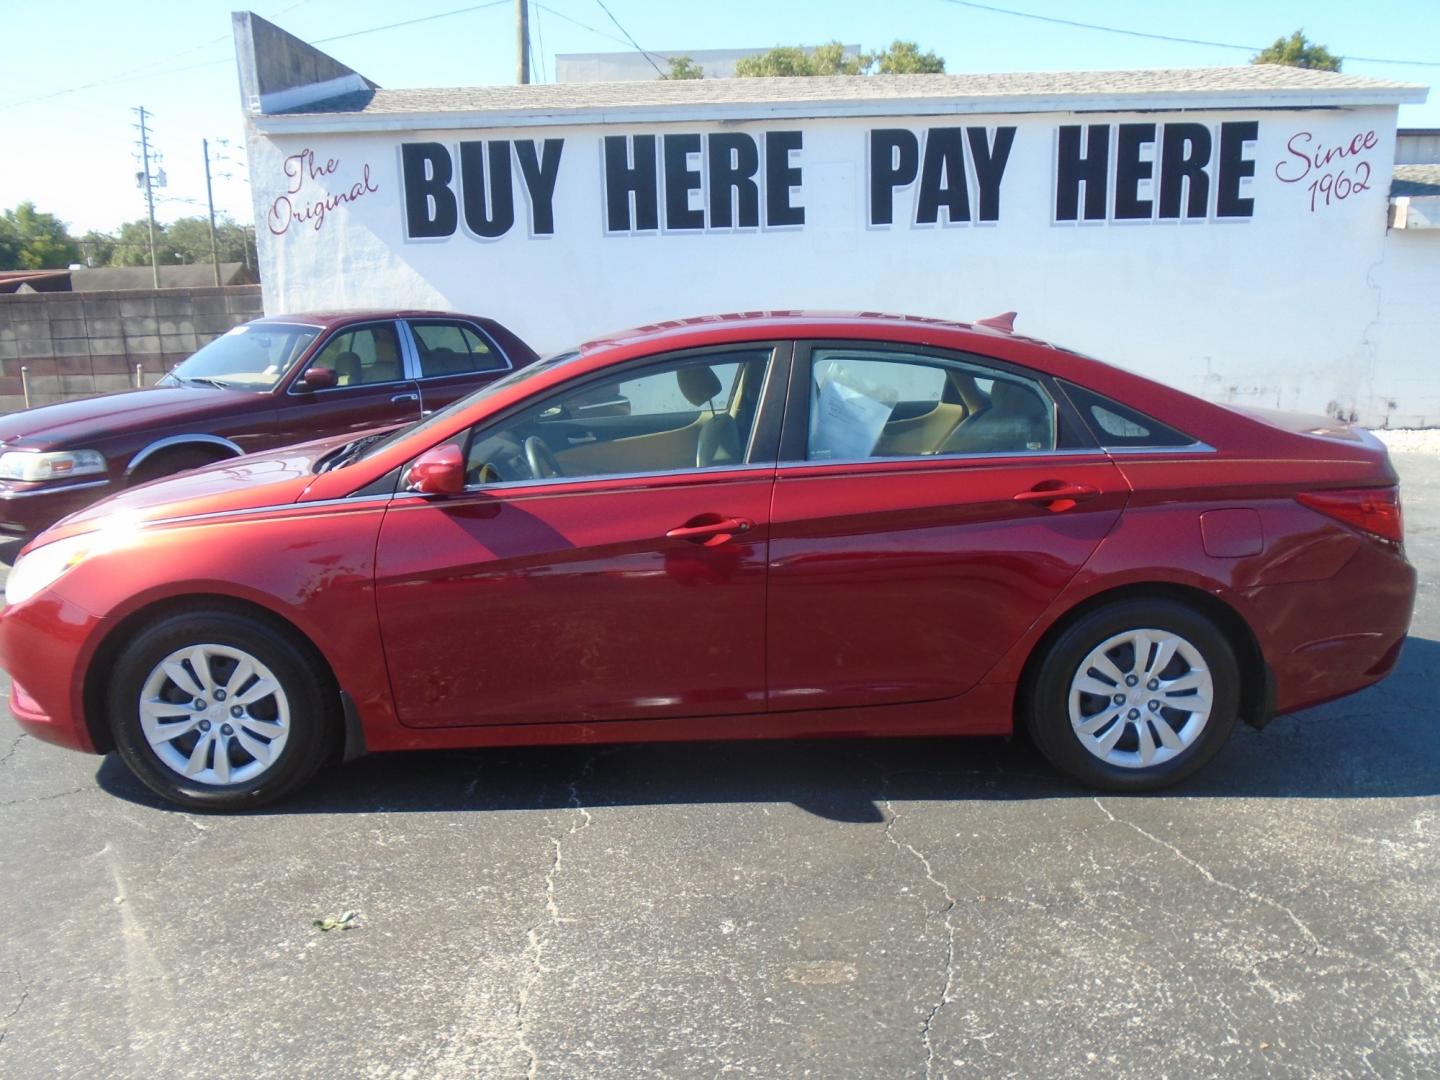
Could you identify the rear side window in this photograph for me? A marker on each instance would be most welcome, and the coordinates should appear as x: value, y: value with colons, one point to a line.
x: 875, y: 403
x: 1116, y: 426
x: 448, y: 348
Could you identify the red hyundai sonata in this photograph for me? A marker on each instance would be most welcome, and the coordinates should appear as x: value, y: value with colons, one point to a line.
x: 751, y: 526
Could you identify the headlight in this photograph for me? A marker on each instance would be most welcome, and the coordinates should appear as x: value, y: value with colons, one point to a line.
x: 42, y: 567
x: 57, y: 465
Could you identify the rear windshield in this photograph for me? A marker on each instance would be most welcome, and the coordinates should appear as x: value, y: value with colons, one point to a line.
x: 255, y: 356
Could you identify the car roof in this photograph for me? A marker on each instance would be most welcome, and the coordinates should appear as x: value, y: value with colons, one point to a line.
x: 336, y: 318
x: 799, y: 323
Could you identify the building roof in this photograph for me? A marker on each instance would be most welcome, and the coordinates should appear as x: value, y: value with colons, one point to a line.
x: 1251, y: 86
x: 1415, y: 181
x: 189, y: 276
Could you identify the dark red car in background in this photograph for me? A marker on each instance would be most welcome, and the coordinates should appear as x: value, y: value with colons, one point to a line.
x: 736, y: 527
x: 267, y: 383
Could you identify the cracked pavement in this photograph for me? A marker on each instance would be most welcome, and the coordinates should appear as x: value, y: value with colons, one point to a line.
x: 930, y: 908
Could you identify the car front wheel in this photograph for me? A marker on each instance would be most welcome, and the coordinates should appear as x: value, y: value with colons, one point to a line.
x: 1135, y: 695
x: 220, y: 711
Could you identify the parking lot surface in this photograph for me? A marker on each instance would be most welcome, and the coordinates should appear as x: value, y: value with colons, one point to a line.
x: 936, y: 908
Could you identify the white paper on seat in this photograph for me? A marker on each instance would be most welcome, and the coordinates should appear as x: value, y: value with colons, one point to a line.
x: 848, y: 418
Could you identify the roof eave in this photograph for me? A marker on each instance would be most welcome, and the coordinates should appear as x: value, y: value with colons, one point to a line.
x: 321, y: 122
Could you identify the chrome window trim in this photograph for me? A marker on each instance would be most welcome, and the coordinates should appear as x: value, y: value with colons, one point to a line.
x: 405, y: 361
x: 199, y: 438
x: 420, y: 376
x: 910, y: 459
x: 476, y: 489
x: 1196, y: 447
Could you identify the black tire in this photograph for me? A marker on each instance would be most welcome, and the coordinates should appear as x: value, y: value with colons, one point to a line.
x: 1045, y: 700
x: 170, y: 462
x: 308, y: 692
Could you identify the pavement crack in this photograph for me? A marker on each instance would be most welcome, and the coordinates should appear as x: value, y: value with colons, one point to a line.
x: 20, y: 1004
x: 46, y: 798
x: 1251, y: 894
x: 947, y: 991
x: 14, y: 745
x: 535, y: 933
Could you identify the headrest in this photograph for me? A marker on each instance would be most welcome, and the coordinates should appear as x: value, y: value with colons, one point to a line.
x: 1013, y: 399
x: 699, y: 384
x: 347, y: 364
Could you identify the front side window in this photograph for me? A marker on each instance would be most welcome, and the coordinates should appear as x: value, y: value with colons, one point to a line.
x: 869, y: 403
x: 691, y: 413
x: 448, y: 348
x: 254, y: 356
x: 363, y: 355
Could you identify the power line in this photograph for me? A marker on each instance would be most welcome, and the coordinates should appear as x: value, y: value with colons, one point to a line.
x: 1162, y: 37
x: 632, y: 41
x: 576, y: 22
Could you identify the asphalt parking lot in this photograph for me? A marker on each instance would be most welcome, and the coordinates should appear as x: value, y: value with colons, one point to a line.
x: 805, y: 909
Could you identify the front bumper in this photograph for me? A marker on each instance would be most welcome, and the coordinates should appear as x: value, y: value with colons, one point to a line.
x: 46, y: 645
x: 27, y: 509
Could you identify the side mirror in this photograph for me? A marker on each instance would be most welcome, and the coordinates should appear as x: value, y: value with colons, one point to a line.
x: 317, y: 378
x: 438, y: 471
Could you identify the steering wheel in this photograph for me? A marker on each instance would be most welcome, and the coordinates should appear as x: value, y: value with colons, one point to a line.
x: 540, y: 459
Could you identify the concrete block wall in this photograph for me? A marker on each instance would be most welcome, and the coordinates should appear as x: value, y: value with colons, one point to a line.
x: 77, y: 344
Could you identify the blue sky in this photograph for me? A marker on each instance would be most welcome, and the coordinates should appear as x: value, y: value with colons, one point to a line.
x: 67, y: 145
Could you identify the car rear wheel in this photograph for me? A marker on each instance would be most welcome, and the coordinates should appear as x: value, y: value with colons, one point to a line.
x: 220, y: 711
x: 1135, y: 695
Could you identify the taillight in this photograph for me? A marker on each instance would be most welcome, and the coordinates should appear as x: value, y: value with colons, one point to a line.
x: 1372, y: 510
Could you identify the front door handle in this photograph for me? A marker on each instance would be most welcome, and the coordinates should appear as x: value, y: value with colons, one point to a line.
x: 1057, y: 495
x: 710, y: 532
x: 399, y: 398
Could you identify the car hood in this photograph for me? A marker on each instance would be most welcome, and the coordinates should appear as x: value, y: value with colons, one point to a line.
x: 245, y: 483
x: 71, y: 423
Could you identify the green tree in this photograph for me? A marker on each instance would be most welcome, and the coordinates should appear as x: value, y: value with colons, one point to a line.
x: 682, y: 67
x: 31, y: 240
x: 901, y: 58
x: 132, y: 244
x: 1298, y: 51
x: 96, y: 248
x: 790, y: 60
x: 905, y: 58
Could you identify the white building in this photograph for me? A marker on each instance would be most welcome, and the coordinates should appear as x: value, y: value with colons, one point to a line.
x: 1225, y: 230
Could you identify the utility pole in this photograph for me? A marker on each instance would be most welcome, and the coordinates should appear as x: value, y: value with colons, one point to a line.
x: 149, y: 194
x: 210, y: 198
x: 522, y: 42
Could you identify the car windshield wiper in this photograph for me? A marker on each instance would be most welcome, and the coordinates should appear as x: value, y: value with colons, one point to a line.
x: 346, y: 453
x: 207, y: 380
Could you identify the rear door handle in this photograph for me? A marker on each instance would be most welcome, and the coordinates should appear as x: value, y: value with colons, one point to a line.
x: 398, y: 398
x: 1057, y: 495
x: 712, y: 532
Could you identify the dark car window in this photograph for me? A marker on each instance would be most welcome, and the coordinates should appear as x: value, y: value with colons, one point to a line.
x: 254, y: 356
x: 692, y: 412
x: 363, y: 355
x: 1115, y: 425
x: 872, y: 403
x: 449, y: 348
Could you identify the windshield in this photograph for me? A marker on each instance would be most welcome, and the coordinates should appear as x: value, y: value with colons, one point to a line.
x: 255, y: 356
x: 439, y: 418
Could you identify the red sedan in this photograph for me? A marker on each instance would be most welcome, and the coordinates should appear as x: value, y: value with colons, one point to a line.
x: 750, y: 526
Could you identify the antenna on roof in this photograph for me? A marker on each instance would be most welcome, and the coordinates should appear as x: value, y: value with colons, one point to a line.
x: 1004, y: 323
